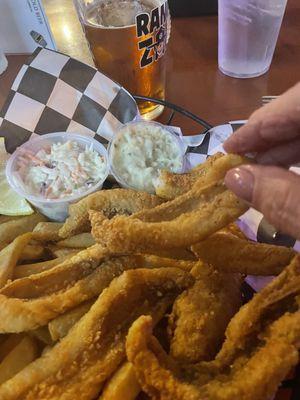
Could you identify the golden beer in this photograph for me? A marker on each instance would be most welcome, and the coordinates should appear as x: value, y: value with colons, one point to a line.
x: 128, y: 40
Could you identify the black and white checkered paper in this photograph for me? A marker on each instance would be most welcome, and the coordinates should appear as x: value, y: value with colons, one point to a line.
x: 56, y: 93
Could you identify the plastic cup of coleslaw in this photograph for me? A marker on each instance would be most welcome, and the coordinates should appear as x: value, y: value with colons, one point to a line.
x: 140, y: 150
x: 56, y: 208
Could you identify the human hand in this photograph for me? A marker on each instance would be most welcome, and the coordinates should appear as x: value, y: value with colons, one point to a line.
x: 273, y: 132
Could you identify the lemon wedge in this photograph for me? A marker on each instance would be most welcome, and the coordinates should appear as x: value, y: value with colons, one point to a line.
x: 11, y: 203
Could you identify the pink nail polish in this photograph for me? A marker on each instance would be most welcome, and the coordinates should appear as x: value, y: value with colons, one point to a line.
x: 241, y: 182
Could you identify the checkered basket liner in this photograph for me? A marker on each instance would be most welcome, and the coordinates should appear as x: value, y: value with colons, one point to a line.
x: 56, y: 93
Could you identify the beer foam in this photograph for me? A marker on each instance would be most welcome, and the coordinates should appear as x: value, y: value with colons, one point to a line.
x: 116, y: 13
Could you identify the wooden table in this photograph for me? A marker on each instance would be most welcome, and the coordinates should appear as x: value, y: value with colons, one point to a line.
x: 193, y: 79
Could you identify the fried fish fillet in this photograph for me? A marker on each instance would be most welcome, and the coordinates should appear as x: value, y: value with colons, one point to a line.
x: 94, y: 348
x: 279, y: 296
x: 247, y: 257
x: 110, y: 203
x: 260, y: 349
x: 200, y: 315
x: 250, y: 377
x: 178, y: 223
x: 28, y: 303
x: 170, y: 185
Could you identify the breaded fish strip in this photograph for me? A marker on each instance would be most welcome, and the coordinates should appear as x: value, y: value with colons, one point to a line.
x: 170, y: 185
x: 200, y: 315
x: 178, y: 223
x: 30, y: 302
x: 261, y: 347
x: 110, y: 203
x: 81, y: 362
x: 281, y: 295
x: 254, y: 376
x: 230, y: 253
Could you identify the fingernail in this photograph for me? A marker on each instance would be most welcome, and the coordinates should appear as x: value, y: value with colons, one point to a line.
x: 241, y: 182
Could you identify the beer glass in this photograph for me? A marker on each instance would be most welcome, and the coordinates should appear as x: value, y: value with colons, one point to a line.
x: 128, y: 40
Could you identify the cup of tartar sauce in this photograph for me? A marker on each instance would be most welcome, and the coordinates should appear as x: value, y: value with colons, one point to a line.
x: 140, y: 150
x: 57, y: 169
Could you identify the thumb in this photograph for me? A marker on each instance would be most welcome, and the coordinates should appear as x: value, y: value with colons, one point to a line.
x: 273, y: 191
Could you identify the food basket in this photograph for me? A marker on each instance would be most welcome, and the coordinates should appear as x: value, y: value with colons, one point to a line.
x: 111, y: 108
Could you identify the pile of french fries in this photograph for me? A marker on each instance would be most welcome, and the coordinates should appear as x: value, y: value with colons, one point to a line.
x: 31, y: 245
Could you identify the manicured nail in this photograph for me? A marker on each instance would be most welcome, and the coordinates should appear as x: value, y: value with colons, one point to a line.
x: 241, y: 182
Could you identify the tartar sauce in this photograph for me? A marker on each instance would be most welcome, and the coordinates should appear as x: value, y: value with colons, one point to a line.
x: 140, y: 151
x: 60, y: 170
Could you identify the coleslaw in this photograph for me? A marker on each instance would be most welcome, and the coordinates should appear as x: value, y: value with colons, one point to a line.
x: 60, y: 170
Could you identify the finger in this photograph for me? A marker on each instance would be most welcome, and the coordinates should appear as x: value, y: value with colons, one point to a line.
x: 283, y: 155
x: 277, y: 122
x: 273, y: 191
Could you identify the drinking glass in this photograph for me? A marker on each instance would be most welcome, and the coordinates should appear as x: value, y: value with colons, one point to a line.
x: 128, y: 40
x: 248, y: 33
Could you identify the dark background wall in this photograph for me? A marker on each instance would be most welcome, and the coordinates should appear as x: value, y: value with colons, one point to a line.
x: 189, y: 8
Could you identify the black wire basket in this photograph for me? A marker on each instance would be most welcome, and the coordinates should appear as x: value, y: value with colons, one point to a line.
x: 176, y: 109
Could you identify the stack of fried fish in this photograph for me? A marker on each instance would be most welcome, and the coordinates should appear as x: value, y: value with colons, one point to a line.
x: 139, y: 296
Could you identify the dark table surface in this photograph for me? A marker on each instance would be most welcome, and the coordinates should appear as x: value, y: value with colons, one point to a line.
x: 193, y: 79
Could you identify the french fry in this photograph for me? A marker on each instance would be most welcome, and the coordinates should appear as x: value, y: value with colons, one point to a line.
x: 6, y: 218
x: 47, y: 231
x: 10, y: 255
x: 122, y: 385
x: 83, y: 240
x: 46, y: 349
x: 9, y: 343
x: 2, y: 339
x: 11, y: 229
x: 43, y: 335
x: 60, y: 326
x: 21, y: 271
x: 63, y: 251
x: 32, y: 252
x: 21, y: 355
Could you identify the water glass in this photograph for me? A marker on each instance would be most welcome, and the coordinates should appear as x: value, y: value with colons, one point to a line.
x: 248, y: 33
